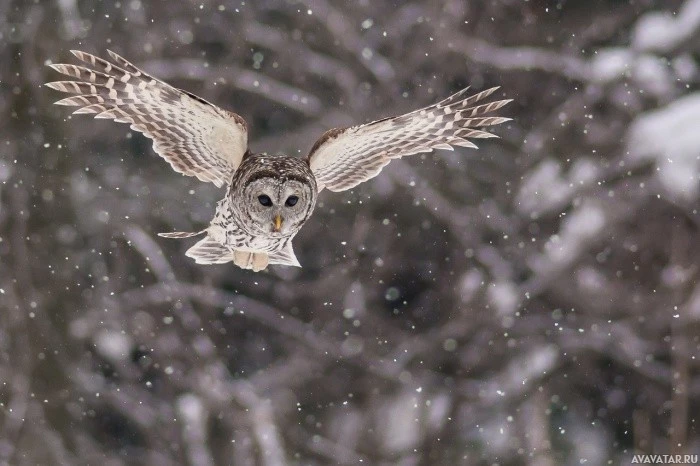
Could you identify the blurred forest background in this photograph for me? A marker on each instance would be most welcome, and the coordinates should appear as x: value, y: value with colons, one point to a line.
x: 533, y: 302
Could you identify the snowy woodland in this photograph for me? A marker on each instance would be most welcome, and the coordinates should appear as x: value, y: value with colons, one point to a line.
x: 533, y: 302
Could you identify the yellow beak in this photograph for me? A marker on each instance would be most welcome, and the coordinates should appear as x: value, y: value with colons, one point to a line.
x: 278, y: 223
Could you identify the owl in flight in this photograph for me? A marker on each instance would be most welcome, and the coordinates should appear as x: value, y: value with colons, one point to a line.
x: 268, y: 197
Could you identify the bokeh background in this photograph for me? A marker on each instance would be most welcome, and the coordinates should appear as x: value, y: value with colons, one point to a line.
x: 533, y: 302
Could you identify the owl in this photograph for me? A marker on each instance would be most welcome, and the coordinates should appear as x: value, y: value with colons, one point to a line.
x: 268, y: 197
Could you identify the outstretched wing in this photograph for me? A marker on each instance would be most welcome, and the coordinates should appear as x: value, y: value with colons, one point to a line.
x: 343, y: 158
x: 196, y: 137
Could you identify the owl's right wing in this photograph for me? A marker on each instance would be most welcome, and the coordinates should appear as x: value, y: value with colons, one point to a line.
x: 343, y: 158
x: 196, y: 137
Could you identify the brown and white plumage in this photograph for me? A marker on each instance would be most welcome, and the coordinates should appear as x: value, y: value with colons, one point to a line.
x: 344, y: 158
x: 196, y: 137
x: 269, y: 198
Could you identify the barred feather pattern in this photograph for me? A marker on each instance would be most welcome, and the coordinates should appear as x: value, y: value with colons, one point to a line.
x: 234, y: 215
x: 255, y: 222
x: 343, y: 158
x: 235, y: 235
x: 196, y: 137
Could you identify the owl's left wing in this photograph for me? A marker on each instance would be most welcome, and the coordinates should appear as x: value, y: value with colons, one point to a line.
x: 196, y: 137
x: 343, y: 158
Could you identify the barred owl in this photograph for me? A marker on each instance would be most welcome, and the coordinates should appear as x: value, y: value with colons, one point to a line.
x: 268, y: 198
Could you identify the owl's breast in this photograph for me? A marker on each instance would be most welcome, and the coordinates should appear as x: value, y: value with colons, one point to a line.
x: 230, y: 229
x: 239, y: 240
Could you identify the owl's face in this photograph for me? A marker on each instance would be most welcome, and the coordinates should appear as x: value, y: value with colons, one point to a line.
x: 278, y: 205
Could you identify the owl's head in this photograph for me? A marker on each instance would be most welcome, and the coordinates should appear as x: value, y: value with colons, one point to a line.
x: 279, y: 193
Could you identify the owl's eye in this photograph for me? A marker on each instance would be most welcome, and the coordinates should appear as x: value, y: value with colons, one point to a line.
x: 291, y: 201
x: 265, y: 200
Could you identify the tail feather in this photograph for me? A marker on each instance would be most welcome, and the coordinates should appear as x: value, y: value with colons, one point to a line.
x: 181, y: 234
x: 210, y: 251
x: 285, y: 256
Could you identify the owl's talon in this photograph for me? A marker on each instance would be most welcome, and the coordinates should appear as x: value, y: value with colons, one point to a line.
x: 255, y: 261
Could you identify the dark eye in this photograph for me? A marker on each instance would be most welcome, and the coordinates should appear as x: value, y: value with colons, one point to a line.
x: 291, y: 201
x: 265, y: 200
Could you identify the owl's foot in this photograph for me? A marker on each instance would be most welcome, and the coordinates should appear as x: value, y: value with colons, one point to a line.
x: 211, y: 251
x: 256, y: 261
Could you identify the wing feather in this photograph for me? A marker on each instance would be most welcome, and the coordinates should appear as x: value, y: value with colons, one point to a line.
x: 196, y: 137
x: 343, y: 158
